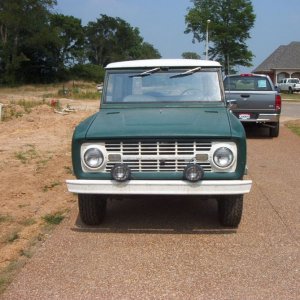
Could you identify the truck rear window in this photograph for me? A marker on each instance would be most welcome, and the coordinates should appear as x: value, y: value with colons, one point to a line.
x: 250, y: 83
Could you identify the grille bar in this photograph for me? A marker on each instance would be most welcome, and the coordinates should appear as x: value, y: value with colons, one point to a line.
x: 161, y: 156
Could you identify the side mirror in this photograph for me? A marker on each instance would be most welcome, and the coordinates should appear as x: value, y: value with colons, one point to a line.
x: 231, y: 104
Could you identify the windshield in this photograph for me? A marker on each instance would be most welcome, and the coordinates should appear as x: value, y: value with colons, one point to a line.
x: 156, y: 85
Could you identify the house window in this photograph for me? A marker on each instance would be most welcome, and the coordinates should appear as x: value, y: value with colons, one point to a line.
x: 296, y: 75
x: 282, y: 75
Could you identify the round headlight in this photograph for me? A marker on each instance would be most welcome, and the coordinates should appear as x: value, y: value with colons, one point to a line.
x: 193, y: 172
x: 93, y: 158
x: 120, y: 172
x: 223, y: 157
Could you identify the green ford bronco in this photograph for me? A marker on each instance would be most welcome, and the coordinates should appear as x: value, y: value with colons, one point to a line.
x: 163, y: 128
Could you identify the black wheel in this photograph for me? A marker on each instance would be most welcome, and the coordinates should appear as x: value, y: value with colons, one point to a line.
x: 230, y: 210
x: 274, y: 131
x: 290, y: 90
x: 92, y: 208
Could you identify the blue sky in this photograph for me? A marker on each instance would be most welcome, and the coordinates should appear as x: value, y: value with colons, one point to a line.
x: 161, y: 23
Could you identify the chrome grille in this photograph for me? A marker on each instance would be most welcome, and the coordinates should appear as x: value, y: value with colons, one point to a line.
x: 160, y: 156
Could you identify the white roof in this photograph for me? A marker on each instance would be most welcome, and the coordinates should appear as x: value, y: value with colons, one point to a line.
x: 151, y: 63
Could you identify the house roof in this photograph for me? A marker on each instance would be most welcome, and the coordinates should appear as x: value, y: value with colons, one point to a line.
x: 284, y: 57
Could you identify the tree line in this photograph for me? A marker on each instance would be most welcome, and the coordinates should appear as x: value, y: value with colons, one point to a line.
x: 38, y: 45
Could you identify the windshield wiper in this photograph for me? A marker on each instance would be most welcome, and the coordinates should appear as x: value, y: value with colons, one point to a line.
x: 146, y: 73
x: 186, y: 73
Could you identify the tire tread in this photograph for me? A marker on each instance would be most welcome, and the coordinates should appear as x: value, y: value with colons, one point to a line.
x: 230, y: 210
x: 92, y: 208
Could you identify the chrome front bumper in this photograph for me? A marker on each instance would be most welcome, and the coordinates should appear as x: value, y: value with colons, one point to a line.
x: 160, y: 187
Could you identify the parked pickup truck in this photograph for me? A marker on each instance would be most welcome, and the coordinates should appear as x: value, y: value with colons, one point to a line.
x: 289, y: 85
x: 254, y: 99
x: 164, y: 128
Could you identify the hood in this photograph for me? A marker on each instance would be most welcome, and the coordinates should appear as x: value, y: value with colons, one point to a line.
x: 160, y: 123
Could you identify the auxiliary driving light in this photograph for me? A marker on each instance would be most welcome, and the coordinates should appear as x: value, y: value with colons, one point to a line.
x: 120, y: 172
x: 193, y: 172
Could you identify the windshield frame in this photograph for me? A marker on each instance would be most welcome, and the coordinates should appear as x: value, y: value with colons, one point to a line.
x: 173, y: 71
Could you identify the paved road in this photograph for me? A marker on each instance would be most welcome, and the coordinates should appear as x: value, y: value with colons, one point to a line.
x: 175, y: 249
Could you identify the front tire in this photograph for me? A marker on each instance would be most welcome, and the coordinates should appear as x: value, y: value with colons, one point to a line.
x: 92, y: 208
x: 230, y: 210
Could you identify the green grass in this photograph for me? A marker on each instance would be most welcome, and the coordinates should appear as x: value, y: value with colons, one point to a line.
x: 294, y: 127
x: 42, y: 162
x: 23, y: 205
x: 79, y: 93
x: 27, y: 222
x: 12, y: 237
x: 54, y: 219
x: 4, y: 281
x: 7, y: 275
x: 28, y: 104
x: 27, y: 253
x: 294, y: 97
x: 50, y: 186
x: 16, y: 109
x: 75, y: 90
x: 26, y: 155
x: 69, y: 170
x: 5, y: 218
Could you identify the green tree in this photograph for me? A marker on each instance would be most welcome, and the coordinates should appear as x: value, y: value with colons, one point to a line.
x: 229, y: 28
x: 87, y: 72
x: 147, y: 51
x: 70, y: 39
x: 112, y: 39
x: 24, y: 39
x: 190, y: 55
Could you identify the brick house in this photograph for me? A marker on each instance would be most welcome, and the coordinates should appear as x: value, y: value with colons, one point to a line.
x: 284, y: 62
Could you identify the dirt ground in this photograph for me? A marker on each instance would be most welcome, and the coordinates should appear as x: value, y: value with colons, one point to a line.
x: 35, y: 162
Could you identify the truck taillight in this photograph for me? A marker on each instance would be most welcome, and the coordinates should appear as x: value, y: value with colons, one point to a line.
x: 278, y: 102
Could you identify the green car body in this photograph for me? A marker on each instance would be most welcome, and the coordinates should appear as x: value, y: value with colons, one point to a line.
x: 157, y: 119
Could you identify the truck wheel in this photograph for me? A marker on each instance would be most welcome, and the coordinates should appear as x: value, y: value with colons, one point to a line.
x: 230, y: 210
x: 290, y: 90
x: 274, y: 132
x: 92, y: 208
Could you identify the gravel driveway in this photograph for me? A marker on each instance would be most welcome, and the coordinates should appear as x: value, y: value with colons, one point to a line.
x: 175, y: 249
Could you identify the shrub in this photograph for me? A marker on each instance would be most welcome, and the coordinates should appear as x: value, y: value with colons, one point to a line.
x: 88, y: 72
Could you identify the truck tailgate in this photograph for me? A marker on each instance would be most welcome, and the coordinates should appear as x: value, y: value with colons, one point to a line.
x: 262, y: 101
